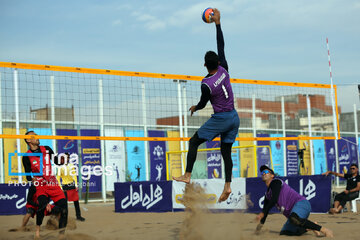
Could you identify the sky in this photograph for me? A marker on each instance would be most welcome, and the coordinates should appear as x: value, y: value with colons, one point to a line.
x: 278, y: 40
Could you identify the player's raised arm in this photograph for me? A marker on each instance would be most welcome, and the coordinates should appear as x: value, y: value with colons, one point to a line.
x: 220, y: 40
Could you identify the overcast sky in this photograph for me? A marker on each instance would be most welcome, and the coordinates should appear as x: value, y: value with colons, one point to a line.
x: 279, y: 40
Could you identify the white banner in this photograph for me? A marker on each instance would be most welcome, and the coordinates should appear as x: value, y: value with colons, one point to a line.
x: 213, y: 189
x: 115, y: 157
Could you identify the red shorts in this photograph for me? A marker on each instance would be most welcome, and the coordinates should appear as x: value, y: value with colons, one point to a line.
x: 72, y: 195
x: 52, y: 191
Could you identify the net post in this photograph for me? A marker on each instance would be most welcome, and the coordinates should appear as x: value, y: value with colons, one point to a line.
x: 254, y: 131
x: 1, y: 140
x: 180, y: 123
x: 185, y: 118
x: 310, y: 133
x: 17, y: 117
x: 356, y: 132
x: 146, y: 144
x: 284, y: 134
x: 102, y: 144
x: 53, y: 128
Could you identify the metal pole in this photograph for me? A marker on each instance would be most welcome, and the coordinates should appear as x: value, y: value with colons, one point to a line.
x: 180, y: 122
x: 17, y: 118
x: 310, y: 134
x: 53, y: 128
x: 284, y: 134
x: 185, y: 110
x: 1, y: 140
x: 102, y: 143
x: 143, y: 94
x: 356, y: 132
x: 254, y: 131
x: 334, y: 113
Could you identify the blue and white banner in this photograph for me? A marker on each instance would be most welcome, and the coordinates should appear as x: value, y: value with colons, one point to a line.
x: 316, y: 189
x: 135, y: 156
x: 157, y: 151
x: 292, y: 161
x: 13, y: 199
x: 330, y: 155
x: 263, y: 153
x: 143, y: 196
x: 115, y: 157
x: 352, y: 149
x: 344, y: 155
x: 277, y: 154
x: 319, y: 156
x: 91, y: 161
x: 213, y: 189
x: 213, y: 160
x: 235, y: 156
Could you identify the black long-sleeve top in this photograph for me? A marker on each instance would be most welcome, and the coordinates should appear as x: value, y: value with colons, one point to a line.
x: 27, y: 164
x: 275, y: 187
x: 205, y: 91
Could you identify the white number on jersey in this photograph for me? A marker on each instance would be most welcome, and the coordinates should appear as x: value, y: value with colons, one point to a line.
x: 225, y: 92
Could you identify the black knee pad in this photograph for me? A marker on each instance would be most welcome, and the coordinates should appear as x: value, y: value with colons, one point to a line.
x: 296, y: 220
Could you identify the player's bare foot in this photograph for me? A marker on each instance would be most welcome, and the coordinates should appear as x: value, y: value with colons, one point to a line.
x: 326, y: 232
x: 183, y: 178
x: 226, y: 192
x: 333, y: 211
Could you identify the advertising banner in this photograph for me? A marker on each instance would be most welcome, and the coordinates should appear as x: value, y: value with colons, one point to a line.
x: 13, y: 199
x: 135, y: 156
x: 69, y: 146
x: 157, y: 151
x: 235, y: 156
x: 247, y: 162
x: 319, y: 156
x: 263, y: 153
x: 353, y: 149
x: 174, y: 159
x: 213, y: 189
x: 91, y: 161
x: 305, y: 165
x: 277, y: 154
x: 143, y: 196
x: 316, y: 189
x: 10, y: 146
x: 292, y: 157
x: 213, y: 159
x: 344, y: 155
x: 330, y: 155
x: 115, y: 158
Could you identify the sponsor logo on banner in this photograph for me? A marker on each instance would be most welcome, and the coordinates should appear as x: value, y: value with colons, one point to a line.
x: 213, y: 189
x: 316, y: 189
x: 13, y: 198
x: 143, y: 196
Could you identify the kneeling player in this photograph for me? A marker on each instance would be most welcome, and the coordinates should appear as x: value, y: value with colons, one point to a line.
x: 294, y: 206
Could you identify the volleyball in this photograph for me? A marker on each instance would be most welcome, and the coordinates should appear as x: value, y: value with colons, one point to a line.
x: 207, y: 15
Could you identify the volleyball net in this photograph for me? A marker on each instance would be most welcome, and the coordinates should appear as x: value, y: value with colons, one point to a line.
x: 127, y: 120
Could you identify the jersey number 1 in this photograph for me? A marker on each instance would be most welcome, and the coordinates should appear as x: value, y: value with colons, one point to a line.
x: 225, y: 92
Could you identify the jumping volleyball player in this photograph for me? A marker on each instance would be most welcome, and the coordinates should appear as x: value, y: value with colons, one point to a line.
x: 46, y: 185
x: 225, y: 121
